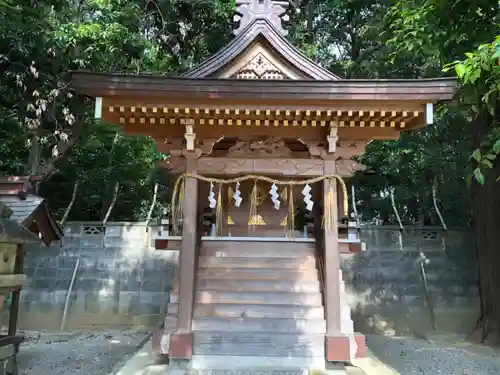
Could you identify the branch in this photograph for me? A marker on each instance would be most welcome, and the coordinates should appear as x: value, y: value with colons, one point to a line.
x: 153, y: 204
x: 163, y: 23
x: 354, y: 208
x: 393, y: 203
x: 362, y: 56
x: 436, y: 207
x: 48, y: 170
x: 113, y: 201
x: 70, y: 205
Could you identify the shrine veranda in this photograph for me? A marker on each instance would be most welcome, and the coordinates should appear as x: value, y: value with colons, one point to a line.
x: 261, y: 140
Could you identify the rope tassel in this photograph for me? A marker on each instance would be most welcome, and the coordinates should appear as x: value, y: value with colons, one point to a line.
x: 178, y: 204
x: 330, y: 206
x: 290, y: 219
x: 218, y: 217
x: 254, y: 196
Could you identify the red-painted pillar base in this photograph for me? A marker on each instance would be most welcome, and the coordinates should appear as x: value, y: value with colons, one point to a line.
x: 181, y: 345
x: 156, y: 342
x: 338, y: 348
x: 361, y: 342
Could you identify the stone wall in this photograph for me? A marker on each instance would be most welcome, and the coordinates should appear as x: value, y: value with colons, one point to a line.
x: 122, y: 281
x: 386, y: 287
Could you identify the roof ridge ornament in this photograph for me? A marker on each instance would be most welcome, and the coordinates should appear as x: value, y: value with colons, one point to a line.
x: 272, y: 11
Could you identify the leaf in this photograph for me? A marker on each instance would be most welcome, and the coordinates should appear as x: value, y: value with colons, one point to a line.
x: 496, y: 147
x: 460, y: 70
x: 468, y: 180
x: 476, y: 155
x: 496, y: 55
x: 488, y: 163
x: 478, y: 175
x: 490, y: 157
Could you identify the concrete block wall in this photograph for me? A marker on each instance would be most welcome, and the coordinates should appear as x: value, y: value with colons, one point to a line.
x: 386, y: 283
x: 122, y: 281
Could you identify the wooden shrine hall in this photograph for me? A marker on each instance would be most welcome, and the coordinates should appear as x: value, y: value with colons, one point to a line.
x: 261, y: 141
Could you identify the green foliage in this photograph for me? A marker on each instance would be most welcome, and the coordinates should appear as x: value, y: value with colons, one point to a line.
x: 479, y: 75
x: 41, y: 119
x: 104, y: 158
x: 13, y: 151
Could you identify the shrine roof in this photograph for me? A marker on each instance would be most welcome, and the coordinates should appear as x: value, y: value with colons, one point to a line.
x: 260, y: 31
x: 151, y: 85
x: 260, y: 70
x: 12, y: 232
x: 259, y: 64
x: 29, y: 210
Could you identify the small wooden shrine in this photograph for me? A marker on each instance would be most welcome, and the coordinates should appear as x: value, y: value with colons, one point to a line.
x: 28, y: 209
x: 13, y: 237
x: 263, y: 140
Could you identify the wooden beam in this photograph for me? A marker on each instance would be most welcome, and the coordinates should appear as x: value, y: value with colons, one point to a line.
x: 267, y: 167
x: 349, y: 149
x: 159, y: 133
x: 214, y: 166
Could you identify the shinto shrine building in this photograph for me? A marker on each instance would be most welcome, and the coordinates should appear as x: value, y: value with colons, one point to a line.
x: 262, y: 140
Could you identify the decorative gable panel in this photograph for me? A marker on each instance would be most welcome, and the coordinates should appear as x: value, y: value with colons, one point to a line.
x: 260, y: 67
x: 260, y: 61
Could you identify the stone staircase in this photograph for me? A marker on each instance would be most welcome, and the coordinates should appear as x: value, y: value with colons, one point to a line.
x: 257, y: 304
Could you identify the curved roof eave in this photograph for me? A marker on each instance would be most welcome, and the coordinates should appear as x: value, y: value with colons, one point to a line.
x: 278, y: 42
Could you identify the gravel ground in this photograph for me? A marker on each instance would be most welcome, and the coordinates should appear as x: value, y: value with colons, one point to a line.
x: 411, y: 356
x: 101, y: 353
x: 88, y: 353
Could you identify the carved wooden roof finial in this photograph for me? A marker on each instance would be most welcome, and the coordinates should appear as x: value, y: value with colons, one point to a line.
x: 272, y: 11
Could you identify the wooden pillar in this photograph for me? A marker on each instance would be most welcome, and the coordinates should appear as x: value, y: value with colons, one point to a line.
x: 337, y: 344
x: 181, y: 342
x: 16, y: 295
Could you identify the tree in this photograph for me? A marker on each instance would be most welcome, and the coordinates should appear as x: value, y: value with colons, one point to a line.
x: 441, y: 32
x: 40, y: 44
x: 42, y: 119
x: 103, y: 157
x: 480, y: 78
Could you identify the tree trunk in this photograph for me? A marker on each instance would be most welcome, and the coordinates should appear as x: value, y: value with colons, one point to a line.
x: 35, y: 154
x: 486, y: 216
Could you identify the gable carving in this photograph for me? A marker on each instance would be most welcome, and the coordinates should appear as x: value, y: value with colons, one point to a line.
x: 272, y: 11
x: 260, y: 67
x: 270, y: 147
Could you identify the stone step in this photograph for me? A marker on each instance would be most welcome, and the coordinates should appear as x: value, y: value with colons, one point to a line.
x: 257, y: 274
x: 248, y: 365
x: 170, y: 323
x: 248, y: 344
x: 248, y: 371
x: 253, y: 311
x: 258, y: 249
x: 251, y: 262
x: 242, y: 285
x: 277, y: 325
x: 256, y: 298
